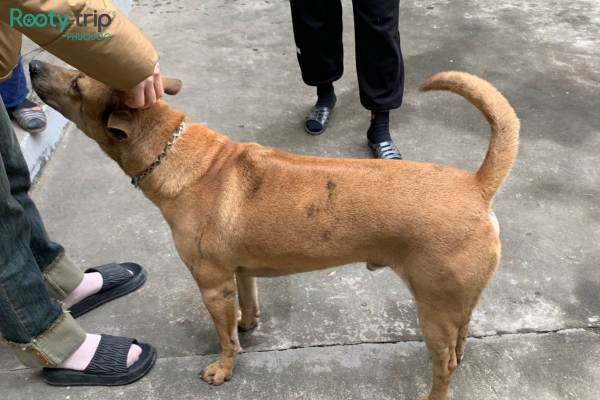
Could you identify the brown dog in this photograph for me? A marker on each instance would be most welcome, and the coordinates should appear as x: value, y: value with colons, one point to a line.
x: 245, y: 211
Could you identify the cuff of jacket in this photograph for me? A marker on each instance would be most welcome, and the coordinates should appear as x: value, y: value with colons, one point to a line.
x: 10, y: 48
x: 62, y: 276
x: 6, y: 77
x: 52, y: 346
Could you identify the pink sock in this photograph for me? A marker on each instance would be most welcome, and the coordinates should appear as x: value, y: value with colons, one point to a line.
x: 91, y: 284
x: 79, y: 360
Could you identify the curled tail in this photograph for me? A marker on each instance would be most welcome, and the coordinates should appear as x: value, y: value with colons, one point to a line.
x: 504, y: 138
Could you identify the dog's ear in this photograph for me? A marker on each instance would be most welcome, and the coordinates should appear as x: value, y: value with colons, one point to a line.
x: 171, y: 86
x: 121, y: 123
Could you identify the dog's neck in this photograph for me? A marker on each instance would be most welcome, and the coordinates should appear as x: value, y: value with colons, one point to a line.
x: 197, y: 146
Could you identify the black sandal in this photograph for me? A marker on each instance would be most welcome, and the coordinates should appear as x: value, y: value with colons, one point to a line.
x: 108, y: 366
x: 320, y: 115
x: 117, y: 282
x: 386, y: 150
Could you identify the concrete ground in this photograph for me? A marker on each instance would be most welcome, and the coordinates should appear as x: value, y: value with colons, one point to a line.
x: 354, y: 334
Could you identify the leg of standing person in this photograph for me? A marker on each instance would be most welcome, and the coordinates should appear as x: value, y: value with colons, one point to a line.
x: 380, y: 68
x: 14, y: 92
x: 32, y: 323
x: 318, y: 36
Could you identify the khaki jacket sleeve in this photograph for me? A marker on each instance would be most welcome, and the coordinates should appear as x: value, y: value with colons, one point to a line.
x: 10, y: 47
x: 119, y: 55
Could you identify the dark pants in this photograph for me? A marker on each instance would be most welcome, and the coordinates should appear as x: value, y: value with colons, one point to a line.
x: 379, y: 65
x: 34, y: 271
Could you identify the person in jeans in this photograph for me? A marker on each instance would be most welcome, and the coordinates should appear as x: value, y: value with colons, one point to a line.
x: 41, y: 289
x: 317, y: 28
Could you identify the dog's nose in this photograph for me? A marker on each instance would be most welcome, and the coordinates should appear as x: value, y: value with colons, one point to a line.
x: 35, y: 67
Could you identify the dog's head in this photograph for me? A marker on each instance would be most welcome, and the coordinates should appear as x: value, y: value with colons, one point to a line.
x: 99, y: 111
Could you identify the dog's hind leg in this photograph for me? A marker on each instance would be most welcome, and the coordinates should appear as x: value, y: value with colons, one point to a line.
x: 218, y: 293
x: 441, y: 331
x: 247, y: 295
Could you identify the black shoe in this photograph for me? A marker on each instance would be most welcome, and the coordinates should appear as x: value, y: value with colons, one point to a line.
x: 108, y: 366
x: 117, y: 281
x: 386, y: 150
x: 318, y: 116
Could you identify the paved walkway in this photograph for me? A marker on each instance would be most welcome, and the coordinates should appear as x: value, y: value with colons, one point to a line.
x: 354, y: 335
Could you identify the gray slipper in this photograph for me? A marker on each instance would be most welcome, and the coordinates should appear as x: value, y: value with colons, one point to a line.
x: 33, y: 119
x: 386, y: 150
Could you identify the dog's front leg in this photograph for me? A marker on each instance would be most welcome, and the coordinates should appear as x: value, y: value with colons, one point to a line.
x: 218, y: 293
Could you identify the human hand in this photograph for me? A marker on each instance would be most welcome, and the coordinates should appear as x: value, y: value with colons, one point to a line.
x: 147, y: 92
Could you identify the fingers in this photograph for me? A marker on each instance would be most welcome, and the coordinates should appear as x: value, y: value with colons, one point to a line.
x: 158, y: 85
x: 136, y: 96
x: 147, y: 92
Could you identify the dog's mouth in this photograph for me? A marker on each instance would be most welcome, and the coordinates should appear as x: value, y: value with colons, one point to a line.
x: 37, y: 72
x: 39, y: 89
x: 42, y: 93
x: 41, y: 75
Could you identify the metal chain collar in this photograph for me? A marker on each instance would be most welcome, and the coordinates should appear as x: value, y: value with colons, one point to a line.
x: 156, y: 163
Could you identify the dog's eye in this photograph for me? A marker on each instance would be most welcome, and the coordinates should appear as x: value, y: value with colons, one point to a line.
x: 75, y: 86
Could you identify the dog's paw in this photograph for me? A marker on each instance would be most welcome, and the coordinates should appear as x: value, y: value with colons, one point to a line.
x: 216, y: 373
x: 250, y: 323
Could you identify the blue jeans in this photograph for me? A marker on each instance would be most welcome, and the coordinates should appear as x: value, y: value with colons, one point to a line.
x: 34, y: 271
x: 14, y: 91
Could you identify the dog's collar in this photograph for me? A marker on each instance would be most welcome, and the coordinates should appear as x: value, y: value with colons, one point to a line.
x: 156, y: 163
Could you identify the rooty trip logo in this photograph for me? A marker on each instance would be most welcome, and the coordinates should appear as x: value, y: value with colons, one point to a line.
x: 99, y: 21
